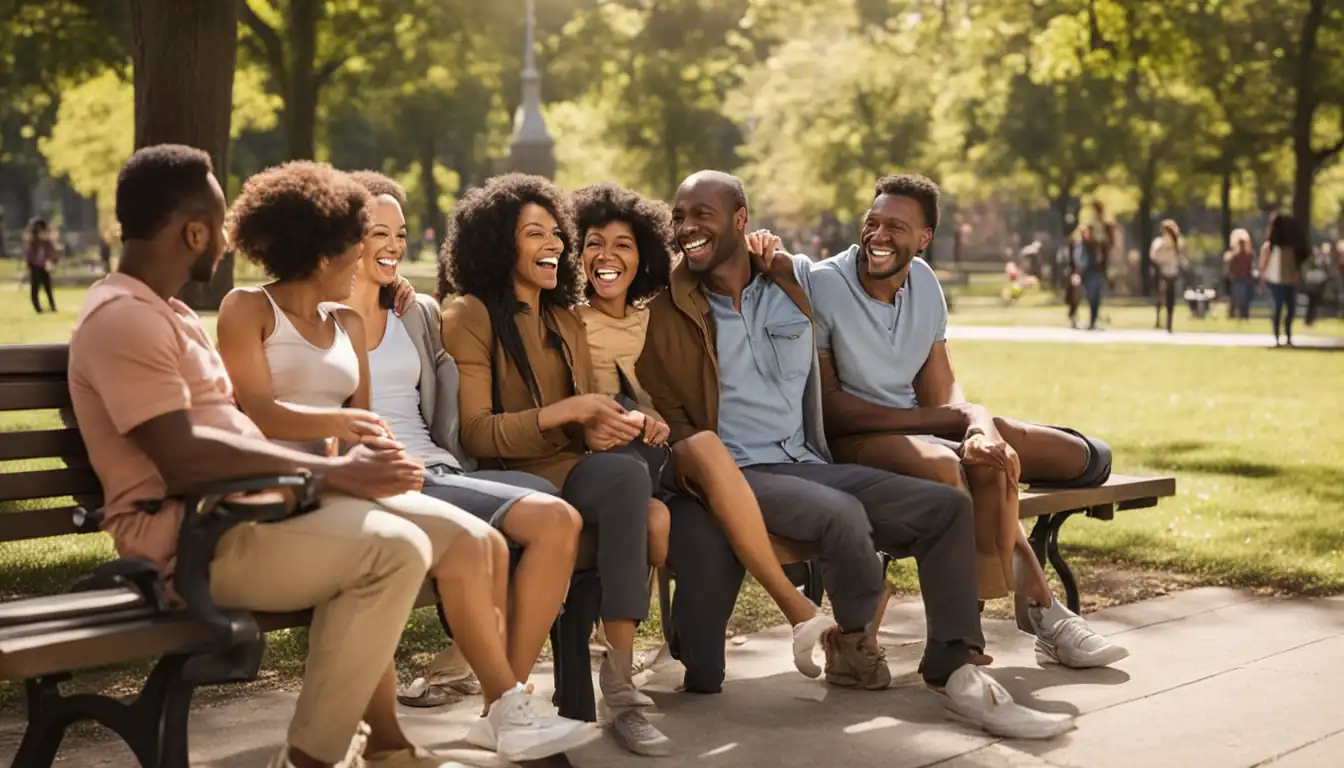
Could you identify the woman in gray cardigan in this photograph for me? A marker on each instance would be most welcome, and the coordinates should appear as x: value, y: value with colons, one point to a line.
x: 414, y: 389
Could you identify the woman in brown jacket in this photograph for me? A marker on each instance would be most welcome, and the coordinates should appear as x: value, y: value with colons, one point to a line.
x: 527, y: 401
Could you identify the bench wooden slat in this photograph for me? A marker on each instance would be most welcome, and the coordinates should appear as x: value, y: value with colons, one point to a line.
x: 49, y: 483
x: 28, y: 359
x: 41, y: 523
x: 42, y: 444
x: 86, y: 647
x: 53, y: 607
x: 1118, y: 489
x: 33, y: 394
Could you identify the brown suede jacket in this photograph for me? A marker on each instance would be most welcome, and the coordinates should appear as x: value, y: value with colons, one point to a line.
x: 503, y: 432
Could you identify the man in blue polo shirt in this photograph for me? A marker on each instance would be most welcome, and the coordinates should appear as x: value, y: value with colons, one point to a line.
x: 891, y: 401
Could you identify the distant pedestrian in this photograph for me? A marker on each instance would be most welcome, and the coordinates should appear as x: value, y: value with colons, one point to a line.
x: 1167, y: 256
x: 1315, y: 275
x: 41, y: 256
x: 1281, y: 260
x: 1239, y: 263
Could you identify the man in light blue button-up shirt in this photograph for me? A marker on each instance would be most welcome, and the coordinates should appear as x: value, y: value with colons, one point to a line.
x: 751, y: 333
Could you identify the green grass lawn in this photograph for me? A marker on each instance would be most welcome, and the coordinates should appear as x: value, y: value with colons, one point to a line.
x: 1251, y: 435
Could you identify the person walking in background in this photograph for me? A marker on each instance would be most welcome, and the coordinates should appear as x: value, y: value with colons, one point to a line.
x: 1239, y: 264
x: 1167, y: 256
x: 41, y: 256
x: 1079, y: 254
x: 1281, y: 257
x: 1315, y: 275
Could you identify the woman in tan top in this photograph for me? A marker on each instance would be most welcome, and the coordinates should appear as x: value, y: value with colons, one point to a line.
x: 627, y: 261
x: 527, y: 402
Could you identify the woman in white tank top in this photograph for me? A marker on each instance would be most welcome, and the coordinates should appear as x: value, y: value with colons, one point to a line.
x: 414, y: 388
x: 299, y: 364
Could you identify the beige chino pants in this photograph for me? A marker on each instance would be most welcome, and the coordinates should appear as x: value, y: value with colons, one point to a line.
x: 359, y: 564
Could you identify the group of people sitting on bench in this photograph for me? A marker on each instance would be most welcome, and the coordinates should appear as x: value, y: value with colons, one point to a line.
x: 663, y: 378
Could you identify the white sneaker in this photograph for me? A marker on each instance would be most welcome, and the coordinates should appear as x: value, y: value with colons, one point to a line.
x: 1064, y: 637
x: 806, y: 638
x: 975, y: 695
x: 521, y: 727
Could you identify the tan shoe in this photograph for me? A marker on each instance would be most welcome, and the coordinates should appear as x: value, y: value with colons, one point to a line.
x: 855, y: 660
x: 409, y: 758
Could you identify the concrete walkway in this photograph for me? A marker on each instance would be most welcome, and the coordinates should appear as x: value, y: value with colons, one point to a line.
x: 1216, y: 678
x: 1116, y: 336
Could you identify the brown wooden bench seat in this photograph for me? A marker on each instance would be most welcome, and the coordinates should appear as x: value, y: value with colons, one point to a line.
x: 119, y: 613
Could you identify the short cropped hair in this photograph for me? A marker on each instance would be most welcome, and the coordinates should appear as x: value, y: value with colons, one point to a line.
x: 650, y: 221
x: 154, y: 184
x: 921, y: 189
x: 290, y: 218
x: 378, y: 185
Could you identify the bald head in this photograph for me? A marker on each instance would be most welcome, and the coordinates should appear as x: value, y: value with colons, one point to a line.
x: 709, y: 217
x: 718, y: 182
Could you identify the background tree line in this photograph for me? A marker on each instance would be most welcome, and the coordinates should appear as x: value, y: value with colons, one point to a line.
x: 1155, y: 106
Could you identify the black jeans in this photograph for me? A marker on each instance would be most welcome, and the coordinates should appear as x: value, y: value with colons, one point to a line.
x: 611, y: 491
x: 39, y: 278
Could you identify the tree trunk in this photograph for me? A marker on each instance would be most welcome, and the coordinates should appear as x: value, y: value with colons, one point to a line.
x: 429, y: 186
x: 183, y: 61
x: 1057, y: 275
x: 1145, y: 215
x: 1225, y: 202
x: 304, y: 81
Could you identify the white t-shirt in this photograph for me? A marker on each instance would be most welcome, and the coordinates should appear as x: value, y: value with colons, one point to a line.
x: 394, y: 378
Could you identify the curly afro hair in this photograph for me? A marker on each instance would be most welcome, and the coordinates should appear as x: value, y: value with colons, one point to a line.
x: 480, y: 251
x: 378, y: 185
x: 290, y: 218
x: 598, y: 205
x: 921, y: 189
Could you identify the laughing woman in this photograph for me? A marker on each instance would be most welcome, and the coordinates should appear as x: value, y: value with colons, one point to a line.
x: 414, y: 386
x: 300, y: 367
x: 627, y: 260
x: 527, y: 402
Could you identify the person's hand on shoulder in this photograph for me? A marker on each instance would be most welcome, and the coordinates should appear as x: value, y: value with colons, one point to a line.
x: 405, y: 297
x: 767, y: 251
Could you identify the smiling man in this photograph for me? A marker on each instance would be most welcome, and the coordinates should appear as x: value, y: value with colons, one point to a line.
x: 892, y: 401
x: 730, y: 349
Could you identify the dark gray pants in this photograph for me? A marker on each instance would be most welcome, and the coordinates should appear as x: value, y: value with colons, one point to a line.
x: 851, y: 512
x: 612, y: 491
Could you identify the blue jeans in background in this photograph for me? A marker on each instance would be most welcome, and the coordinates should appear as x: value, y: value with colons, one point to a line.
x: 1093, y: 283
x: 1285, y: 297
x: 1243, y: 289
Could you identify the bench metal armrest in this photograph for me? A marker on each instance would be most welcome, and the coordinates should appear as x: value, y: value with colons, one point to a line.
x: 206, y: 516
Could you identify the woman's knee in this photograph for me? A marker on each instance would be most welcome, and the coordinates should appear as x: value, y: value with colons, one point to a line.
x: 703, y: 449
x: 473, y: 551
x: 623, y: 477
x: 540, y: 518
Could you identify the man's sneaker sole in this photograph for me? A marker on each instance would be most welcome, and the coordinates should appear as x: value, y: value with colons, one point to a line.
x: 585, y: 734
x: 1036, y: 729
x: 1046, y: 655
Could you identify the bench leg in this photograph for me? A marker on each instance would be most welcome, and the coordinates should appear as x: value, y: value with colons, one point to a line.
x: 154, y: 725
x: 1045, y: 543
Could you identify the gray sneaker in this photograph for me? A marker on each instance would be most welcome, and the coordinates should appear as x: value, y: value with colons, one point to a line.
x: 1064, y: 637
x: 623, y: 705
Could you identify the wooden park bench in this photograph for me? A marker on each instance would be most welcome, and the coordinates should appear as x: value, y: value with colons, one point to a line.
x: 119, y: 613
x: 1049, y: 507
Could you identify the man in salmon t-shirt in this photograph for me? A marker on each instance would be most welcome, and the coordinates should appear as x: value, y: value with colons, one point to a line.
x: 157, y: 414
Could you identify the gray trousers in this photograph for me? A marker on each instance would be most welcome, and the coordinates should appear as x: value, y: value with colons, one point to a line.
x: 611, y: 491
x: 851, y: 512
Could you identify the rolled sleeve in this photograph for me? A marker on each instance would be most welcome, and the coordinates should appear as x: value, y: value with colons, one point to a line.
x: 486, y: 434
x: 131, y: 356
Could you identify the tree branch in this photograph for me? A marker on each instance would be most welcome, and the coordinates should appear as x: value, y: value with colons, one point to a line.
x: 328, y: 70
x: 270, y: 40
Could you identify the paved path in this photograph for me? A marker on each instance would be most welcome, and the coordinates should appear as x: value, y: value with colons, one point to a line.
x: 1115, y: 336
x: 1218, y: 678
